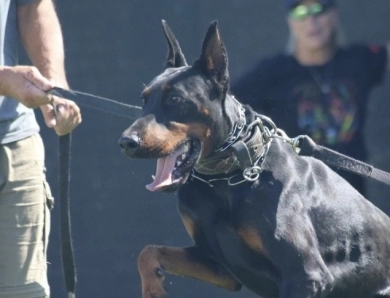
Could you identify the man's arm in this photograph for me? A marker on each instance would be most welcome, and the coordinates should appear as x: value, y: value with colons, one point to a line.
x: 41, y: 36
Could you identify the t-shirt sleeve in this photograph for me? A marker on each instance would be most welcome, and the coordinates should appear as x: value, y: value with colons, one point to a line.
x: 24, y: 2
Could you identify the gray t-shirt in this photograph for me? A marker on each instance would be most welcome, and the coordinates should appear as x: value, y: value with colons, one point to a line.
x: 16, y: 121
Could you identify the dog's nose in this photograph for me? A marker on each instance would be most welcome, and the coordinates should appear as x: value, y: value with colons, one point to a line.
x: 129, y: 144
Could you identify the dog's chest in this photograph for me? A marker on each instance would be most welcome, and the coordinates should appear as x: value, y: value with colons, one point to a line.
x: 230, y: 228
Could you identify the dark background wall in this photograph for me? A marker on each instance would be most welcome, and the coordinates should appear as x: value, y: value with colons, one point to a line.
x: 112, y: 48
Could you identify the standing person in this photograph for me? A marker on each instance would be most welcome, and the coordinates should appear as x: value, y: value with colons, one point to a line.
x: 24, y: 193
x: 320, y: 86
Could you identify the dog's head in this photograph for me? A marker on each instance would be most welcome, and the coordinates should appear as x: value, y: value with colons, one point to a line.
x: 185, y: 114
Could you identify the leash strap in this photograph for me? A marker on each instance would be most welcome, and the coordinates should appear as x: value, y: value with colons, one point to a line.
x: 98, y: 103
x: 309, y: 148
x: 101, y: 104
x: 68, y: 263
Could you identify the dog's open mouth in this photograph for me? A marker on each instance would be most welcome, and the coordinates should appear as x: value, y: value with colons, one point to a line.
x: 174, y: 169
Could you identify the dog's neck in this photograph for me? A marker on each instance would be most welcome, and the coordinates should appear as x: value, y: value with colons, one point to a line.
x: 235, y: 113
x: 242, y: 149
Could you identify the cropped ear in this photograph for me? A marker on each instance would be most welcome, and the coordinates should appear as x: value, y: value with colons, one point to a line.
x: 175, y: 57
x: 213, y: 59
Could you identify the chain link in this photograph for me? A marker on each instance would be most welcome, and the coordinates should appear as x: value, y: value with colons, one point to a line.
x: 252, y: 173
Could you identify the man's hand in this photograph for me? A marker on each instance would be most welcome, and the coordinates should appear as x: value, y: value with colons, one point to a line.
x: 25, y: 84
x: 62, y: 115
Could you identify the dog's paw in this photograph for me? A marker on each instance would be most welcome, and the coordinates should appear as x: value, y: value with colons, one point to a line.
x: 154, y: 287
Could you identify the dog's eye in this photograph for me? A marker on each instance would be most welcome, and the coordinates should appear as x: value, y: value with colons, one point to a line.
x: 175, y: 100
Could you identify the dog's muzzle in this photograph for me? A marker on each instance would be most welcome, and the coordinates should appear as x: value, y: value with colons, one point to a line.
x: 129, y: 144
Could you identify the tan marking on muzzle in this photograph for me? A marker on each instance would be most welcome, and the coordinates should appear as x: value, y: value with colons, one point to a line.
x: 167, y: 139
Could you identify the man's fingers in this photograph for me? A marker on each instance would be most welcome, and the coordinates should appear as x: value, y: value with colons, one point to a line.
x: 49, y: 115
x: 36, y: 85
x: 67, y: 115
x: 61, y: 107
x: 62, y: 112
x: 35, y: 77
x: 34, y: 97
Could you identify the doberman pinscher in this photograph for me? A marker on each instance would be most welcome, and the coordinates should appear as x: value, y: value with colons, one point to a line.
x: 260, y: 216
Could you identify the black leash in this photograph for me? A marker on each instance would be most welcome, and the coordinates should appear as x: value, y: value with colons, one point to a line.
x: 98, y: 103
x: 304, y: 146
x: 68, y: 263
x: 307, y: 147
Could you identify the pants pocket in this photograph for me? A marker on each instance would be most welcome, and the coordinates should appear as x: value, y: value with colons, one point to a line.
x: 48, y: 195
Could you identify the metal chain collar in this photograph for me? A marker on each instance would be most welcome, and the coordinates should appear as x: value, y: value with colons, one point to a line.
x: 252, y: 173
x: 237, y: 128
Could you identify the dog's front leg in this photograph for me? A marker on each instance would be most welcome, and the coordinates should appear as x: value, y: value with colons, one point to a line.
x: 153, y: 261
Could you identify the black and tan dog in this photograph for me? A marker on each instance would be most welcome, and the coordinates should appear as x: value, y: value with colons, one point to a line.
x: 260, y: 215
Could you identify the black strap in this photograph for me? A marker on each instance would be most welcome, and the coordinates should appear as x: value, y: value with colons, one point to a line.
x: 309, y: 148
x: 243, y: 154
x: 98, y: 103
x: 68, y: 263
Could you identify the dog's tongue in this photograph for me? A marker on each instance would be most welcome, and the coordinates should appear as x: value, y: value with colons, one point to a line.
x: 165, y: 166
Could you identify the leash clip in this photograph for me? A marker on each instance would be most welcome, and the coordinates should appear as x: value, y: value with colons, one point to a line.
x: 252, y: 173
x: 295, y: 142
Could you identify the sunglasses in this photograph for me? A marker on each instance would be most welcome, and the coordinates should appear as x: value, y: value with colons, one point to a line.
x: 301, y: 12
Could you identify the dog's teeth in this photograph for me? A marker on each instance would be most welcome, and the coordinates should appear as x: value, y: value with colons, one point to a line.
x: 183, y: 156
x: 186, y: 147
x: 153, y: 177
